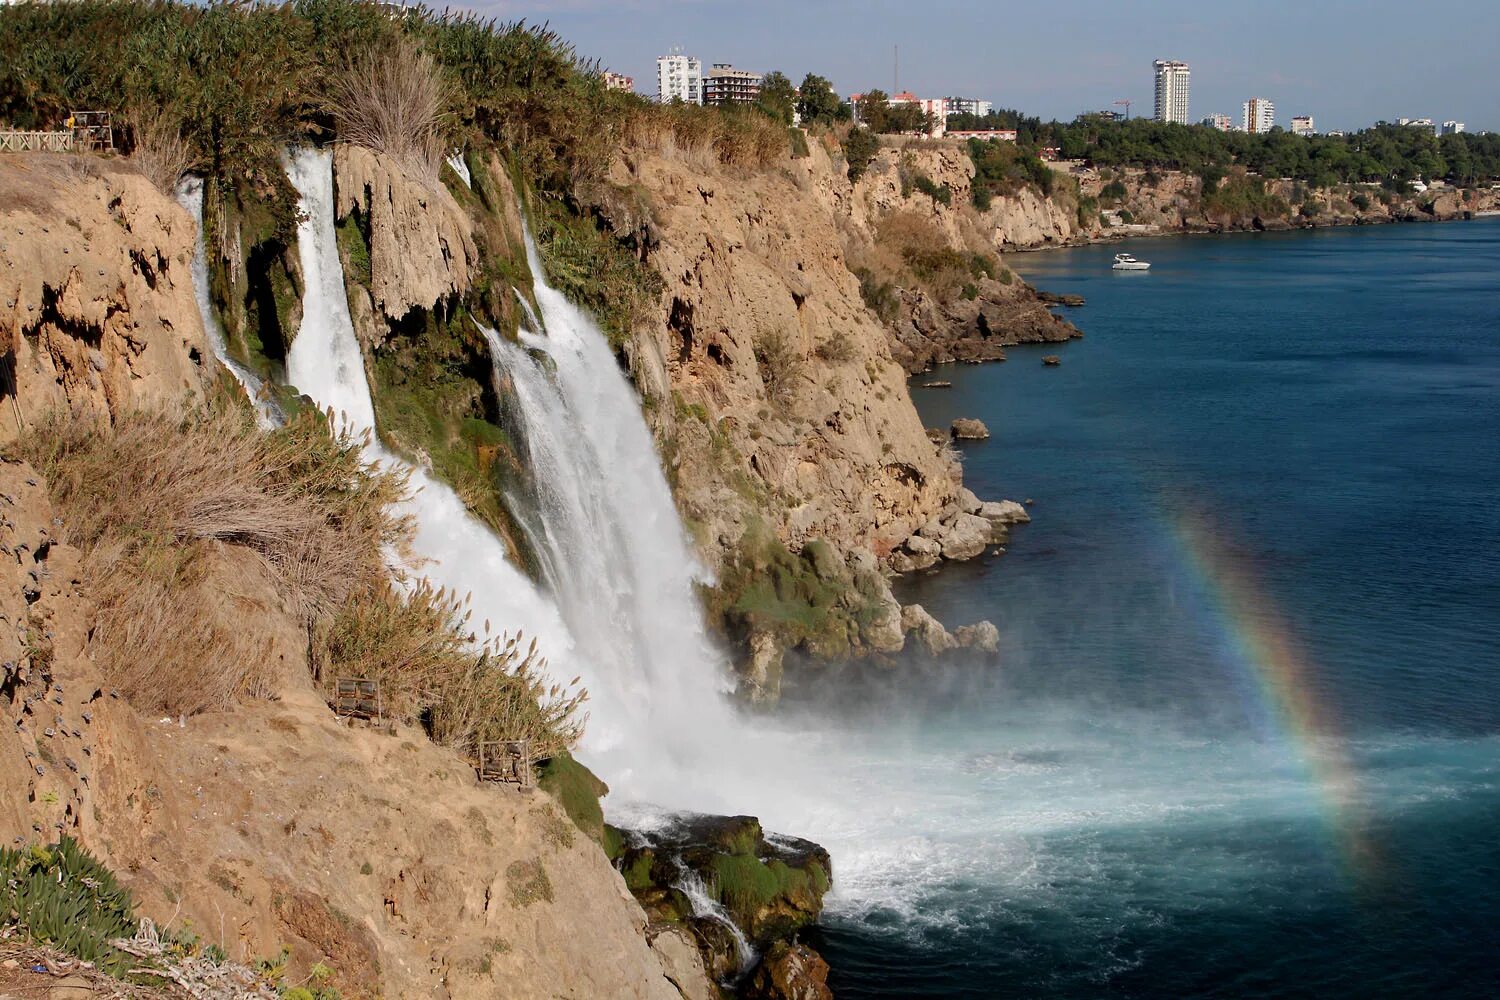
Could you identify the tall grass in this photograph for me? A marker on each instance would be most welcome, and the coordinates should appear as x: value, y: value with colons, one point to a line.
x: 394, y: 100
x: 174, y: 512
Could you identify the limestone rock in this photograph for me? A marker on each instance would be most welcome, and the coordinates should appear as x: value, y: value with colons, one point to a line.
x: 969, y: 429
x: 421, y: 242
x: 682, y: 962
x: 926, y: 630
x: 1004, y: 512
x: 97, y: 312
x: 883, y: 633
x: 968, y: 502
x: 981, y: 635
x: 761, y: 675
x: 791, y: 972
x: 967, y: 537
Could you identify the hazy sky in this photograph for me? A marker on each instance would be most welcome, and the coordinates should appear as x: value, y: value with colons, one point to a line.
x: 1346, y: 63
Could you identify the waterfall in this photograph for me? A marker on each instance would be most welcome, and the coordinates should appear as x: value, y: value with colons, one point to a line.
x: 613, y: 550
x: 325, y: 362
x: 267, y: 414
x: 706, y: 907
x: 460, y: 167
x: 619, y: 609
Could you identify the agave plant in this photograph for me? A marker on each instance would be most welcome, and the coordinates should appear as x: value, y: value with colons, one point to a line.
x: 63, y: 896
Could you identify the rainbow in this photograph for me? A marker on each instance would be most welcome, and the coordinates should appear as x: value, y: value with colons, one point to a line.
x: 1260, y: 643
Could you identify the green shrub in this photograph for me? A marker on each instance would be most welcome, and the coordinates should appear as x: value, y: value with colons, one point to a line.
x: 798, y: 141
x: 62, y: 896
x: 860, y: 147
x: 942, y: 195
x: 1361, y: 201
x: 1113, y: 191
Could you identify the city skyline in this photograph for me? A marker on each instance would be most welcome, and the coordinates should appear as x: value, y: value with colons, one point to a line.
x: 1028, y: 59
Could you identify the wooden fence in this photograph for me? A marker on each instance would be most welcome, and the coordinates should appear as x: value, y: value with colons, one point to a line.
x: 36, y: 142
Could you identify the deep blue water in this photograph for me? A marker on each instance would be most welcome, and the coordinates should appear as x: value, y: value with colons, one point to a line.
x: 1127, y: 804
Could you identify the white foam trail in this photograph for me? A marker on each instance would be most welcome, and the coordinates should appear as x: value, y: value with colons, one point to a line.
x: 460, y: 167
x: 190, y: 197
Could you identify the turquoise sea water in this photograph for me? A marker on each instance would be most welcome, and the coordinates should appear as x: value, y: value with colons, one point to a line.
x: 1243, y: 738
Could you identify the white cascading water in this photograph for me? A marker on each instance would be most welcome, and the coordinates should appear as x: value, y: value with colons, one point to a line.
x: 460, y: 167
x: 622, y: 613
x: 325, y: 363
x: 190, y: 197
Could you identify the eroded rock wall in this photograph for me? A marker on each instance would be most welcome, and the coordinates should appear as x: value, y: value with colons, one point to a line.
x: 776, y: 382
x: 96, y: 296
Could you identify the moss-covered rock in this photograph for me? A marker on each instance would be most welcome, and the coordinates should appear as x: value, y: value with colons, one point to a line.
x: 770, y: 889
x: 578, y: 790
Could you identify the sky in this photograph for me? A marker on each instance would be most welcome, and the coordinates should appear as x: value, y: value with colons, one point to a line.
x: 1347, y: 63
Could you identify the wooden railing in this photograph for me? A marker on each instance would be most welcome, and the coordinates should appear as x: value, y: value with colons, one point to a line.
x: 36, y: 142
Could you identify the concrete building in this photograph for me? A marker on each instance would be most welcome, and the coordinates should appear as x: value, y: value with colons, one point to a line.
x: 619, y: 81
x: 968, y: 106
x: 1002, y: 134
x: 1452, y: 127
x: 1171, y: 90
x: 1223, y: 123
x: 1303, y: 125
x: 723, y: 84
x: 1257, y: 115
x: 679, y: 78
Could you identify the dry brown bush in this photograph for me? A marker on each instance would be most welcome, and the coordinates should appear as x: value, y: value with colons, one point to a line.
x: 394, y: 101
x: 707, y: 137
x: 161, y: 153
x: 186, y: 520
x: 150, y: 502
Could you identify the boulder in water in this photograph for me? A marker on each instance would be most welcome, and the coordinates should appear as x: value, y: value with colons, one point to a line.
x: 791, y: 972
x: 969, y: 429
x: 1051, y: 360
x: 981, y: 635
x: 1004, y: 512
x: 966, y: 537
x: 928, y: 632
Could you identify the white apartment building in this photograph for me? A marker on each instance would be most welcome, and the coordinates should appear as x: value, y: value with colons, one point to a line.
x: 1452, y: 128
x: 1223, y: 123
x: 1171, y: 90
x: 679, y: 78
x: 968, y: 105
x: 1303, y: 125
x: 1257, y: 115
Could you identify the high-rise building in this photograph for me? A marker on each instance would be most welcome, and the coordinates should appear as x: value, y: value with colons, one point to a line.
x: 1258, y: 115
x: 1171, y: 90
x: 726, y: 85
x: 1452, y: 128
x: 968, y: 105
x: 1303, y: 125
x: 679, y: 78
x: 1223, y: 123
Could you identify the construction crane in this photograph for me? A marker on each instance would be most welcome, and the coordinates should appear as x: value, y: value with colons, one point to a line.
x: 1127, y: 108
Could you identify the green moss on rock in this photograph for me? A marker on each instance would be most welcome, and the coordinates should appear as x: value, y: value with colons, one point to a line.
x: 578, y: 790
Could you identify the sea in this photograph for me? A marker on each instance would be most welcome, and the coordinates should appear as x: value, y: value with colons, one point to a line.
x: 1242, y: 738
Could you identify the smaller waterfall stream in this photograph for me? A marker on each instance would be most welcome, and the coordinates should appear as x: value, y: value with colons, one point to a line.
x: 190, y: 197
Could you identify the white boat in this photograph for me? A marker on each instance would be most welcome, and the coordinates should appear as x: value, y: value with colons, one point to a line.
x: 1125, y: 262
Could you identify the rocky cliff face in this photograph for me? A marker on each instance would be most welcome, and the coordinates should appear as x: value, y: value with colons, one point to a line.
x: 96, y: 295
x: 774, y: 383
x: 975, y: 316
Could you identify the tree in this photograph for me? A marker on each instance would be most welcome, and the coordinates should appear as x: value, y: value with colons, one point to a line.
x: 875, y: 110
x: 817, y: 104
x: 860, y: 147
x: 777, y: 97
